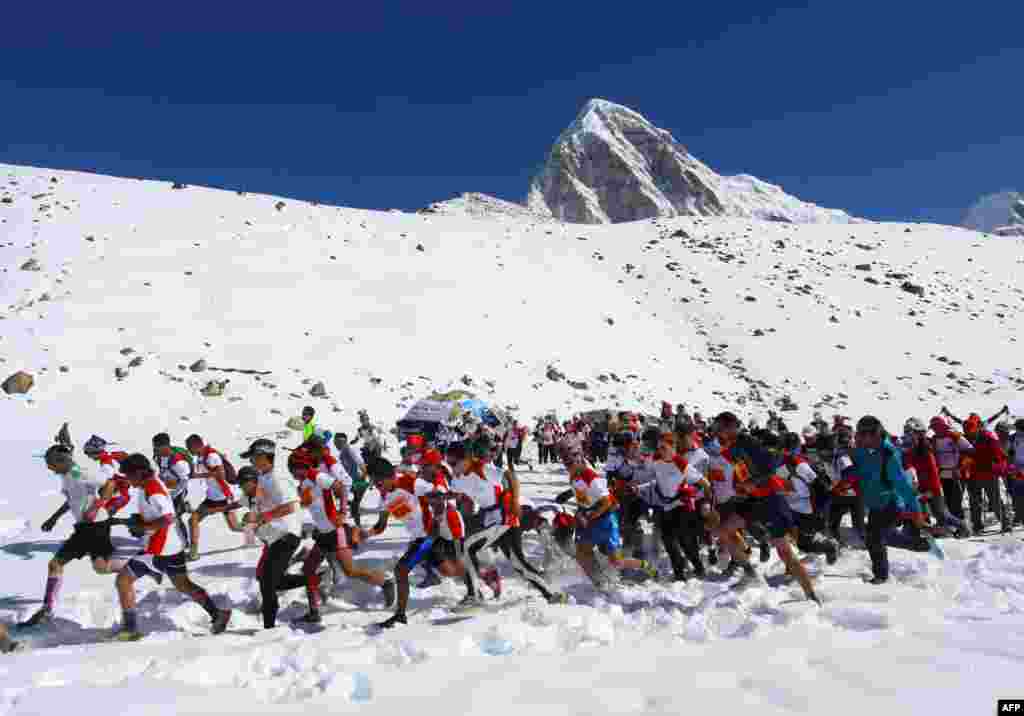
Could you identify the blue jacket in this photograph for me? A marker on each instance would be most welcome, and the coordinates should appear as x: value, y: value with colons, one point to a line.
x: 880, y: 493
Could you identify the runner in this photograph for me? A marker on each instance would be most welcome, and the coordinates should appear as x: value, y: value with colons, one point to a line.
x: 950, y: 448
x: 278, y: 525
x: 325, y: 497
x: 220, y: 496
x: 678, y: 487
x: 176, y: 469
x: 597, y: 521
x: 84, y: 497
x: 163, y: 553
x: 355, y: 466
x: 493, y: 501
x: 416, y: 500
x: 767, y: 505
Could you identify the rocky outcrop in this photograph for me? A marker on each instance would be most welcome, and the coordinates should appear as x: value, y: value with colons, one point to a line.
x: 483, y: 206
x: 612, y: 165
x: 1001, y: 214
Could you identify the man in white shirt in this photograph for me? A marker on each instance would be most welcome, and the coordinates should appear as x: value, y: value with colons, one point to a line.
x: 278, y: 523
x: 163, y: 551
x: 84, y: 497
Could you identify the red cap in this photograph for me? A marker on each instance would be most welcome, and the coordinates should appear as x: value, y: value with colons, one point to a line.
x: 432, y: 457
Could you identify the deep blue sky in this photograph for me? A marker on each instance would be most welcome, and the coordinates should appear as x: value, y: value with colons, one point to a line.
x: 894, y: 110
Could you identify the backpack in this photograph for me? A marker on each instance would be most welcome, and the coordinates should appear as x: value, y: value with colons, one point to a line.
x: 230, y: 474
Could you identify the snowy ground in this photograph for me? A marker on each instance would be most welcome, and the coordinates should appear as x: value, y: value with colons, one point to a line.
x: 639, y: 312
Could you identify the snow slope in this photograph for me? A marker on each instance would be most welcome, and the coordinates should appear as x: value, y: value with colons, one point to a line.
x: 612, y: 165
x: 639, y: 312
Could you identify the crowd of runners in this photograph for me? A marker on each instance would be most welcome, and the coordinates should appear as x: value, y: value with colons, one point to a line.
x: 709, y: 492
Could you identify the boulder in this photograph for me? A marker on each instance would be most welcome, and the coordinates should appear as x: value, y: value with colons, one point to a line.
x: 912, y: 288
x: 199, y: 366
x: 555, y: 374
x: 214, y: 388
x: 19, y: 383
x: 121, y: 372
x: 318, y: 390
x: 31, y: 265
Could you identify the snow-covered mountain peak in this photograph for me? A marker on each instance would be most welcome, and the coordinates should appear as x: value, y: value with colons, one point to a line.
x: 1000, y: 213
x: 612, y: 165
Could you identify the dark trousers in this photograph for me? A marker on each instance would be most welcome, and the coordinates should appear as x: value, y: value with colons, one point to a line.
x: 275, y: 561
x: 181, y: 508
x: 511, y: 545
x: 810, y: 539
x: 995, y: 501
x: 631, y: 509
x: 356, y: 501
x: 547, y: 453
x: 879, y: 524
x: 953, y: 491
x: 681, y: 529
x: 514, y: 454
x: 839, y: 506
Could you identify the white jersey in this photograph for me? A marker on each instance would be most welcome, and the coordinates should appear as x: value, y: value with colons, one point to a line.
x: 669, y: 478
x: 947, y: 452
x: 800, y: 479
x: 323, y: 504
x: 275, y: 491
x: 81, y: 490
x: 485, y: 491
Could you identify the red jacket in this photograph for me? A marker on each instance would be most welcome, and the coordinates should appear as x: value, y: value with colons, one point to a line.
x: 988, y: 459
x: 927, y: 470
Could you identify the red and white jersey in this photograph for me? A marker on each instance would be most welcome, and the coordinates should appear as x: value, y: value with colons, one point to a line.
x: 109, y: 464
x: 330, y: 465
x: 590, y: 487
x: 154, y: 503
x: 109, y: 469
x: 175, y: 467
x: 324, y: 506
x: 217, y: 488
x: 484, y: 485
x: 407, y: 503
